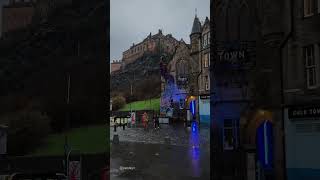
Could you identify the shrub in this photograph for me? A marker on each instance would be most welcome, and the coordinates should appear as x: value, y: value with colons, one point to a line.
x: 118, y: 102
x: 26, y: 130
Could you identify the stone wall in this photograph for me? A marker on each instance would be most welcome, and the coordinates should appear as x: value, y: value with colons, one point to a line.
x: 115, y: 67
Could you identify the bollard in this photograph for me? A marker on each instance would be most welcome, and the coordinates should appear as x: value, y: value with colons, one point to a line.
x: 167, y: 140
x: 124, y: 126
x: 115, y: 128
x: 115, y: 139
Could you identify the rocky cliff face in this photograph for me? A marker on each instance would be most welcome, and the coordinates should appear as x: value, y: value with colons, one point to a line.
x: 144, y: 74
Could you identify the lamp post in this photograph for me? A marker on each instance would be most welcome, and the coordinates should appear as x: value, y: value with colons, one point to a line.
x: 131, y: 81
x: 66, y: 146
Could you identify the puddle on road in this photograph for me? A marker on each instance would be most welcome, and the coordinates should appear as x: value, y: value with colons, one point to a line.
x: 123, y: 171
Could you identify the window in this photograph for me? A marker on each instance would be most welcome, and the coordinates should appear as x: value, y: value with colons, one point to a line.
x: 206, y: 82
x: 318, y: 6
x: 182, y: 72
x: 205, y: 40
x: 206, y: 60
x: 310, y: 66
x: 230, y: 134
x: 308, y: 7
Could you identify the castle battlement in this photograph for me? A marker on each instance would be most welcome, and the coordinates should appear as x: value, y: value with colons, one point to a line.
x: 151, y: 43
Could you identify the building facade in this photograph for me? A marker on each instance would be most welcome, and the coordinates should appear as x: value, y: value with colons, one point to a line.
x: 204, y: 78
x: 278, y: 125
x: 301, y: 82
x: 189, y: 71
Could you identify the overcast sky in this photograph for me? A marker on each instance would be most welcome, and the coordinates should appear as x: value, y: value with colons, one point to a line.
x: 132, y: 20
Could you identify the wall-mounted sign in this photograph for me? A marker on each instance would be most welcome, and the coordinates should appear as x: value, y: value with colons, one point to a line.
x: 230, y: 55
x: 237, y: 53
x: 204, y: 96
x: 304, y: 112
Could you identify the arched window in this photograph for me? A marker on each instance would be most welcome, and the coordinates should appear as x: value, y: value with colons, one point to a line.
x: 182, y: 72
x: 182, y: 68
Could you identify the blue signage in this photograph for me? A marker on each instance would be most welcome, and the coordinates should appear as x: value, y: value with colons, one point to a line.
x: 265, y: 145
x: 193, y: 107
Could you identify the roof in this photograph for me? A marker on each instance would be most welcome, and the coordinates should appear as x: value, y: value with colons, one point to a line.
x: 207, y: 20
x: 196, y: 28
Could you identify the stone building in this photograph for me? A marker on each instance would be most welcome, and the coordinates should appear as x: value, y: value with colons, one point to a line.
x: 177, y: 84
x: 151, y: 44
x: 115, y: 66
x: 279, y: 122
x: 189, y: 69
x: 204, y: 78
x: 301, y: 89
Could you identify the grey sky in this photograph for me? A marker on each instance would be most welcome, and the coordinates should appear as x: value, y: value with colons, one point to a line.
x: 132, y: 20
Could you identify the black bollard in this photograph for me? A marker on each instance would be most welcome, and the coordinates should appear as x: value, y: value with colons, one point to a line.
x: 115, y: 128
x: 124, y: 126
x: 115, y: 139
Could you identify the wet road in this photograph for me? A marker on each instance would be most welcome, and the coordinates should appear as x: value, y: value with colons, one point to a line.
x: 144, y: 155
x: 179, y: 135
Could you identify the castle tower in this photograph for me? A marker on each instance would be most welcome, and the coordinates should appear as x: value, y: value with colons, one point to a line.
x: 195, y: 36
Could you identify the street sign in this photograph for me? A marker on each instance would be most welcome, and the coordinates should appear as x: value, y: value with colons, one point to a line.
x: 74, y: 170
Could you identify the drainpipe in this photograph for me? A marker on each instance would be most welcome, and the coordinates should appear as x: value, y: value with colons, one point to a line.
x: 198, y: 100
x: 283, y: 43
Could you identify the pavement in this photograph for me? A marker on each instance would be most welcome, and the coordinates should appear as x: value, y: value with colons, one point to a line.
x: 145, y: 155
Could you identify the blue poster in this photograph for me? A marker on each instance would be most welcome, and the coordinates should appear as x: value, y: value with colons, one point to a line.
x: 265, y: 145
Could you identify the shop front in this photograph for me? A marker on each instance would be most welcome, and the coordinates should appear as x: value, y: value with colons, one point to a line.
x: 302, y: 135
x: 204, y: 109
